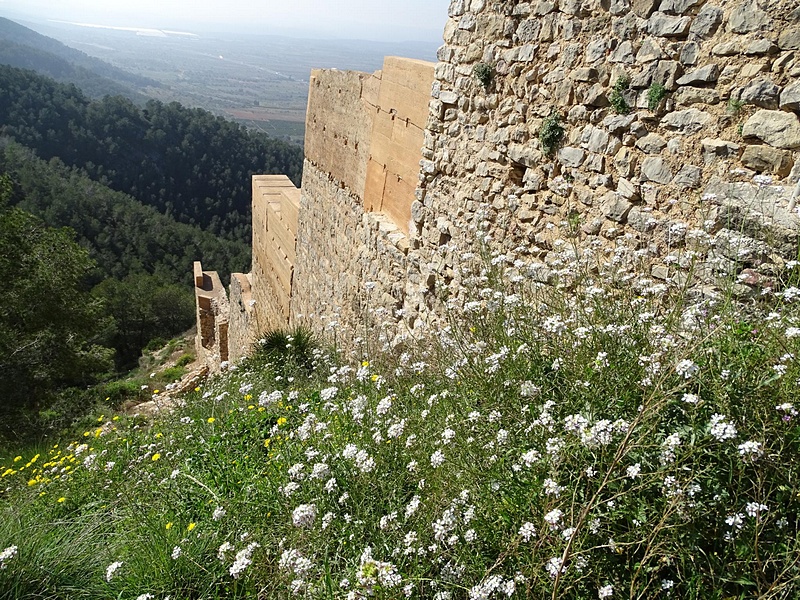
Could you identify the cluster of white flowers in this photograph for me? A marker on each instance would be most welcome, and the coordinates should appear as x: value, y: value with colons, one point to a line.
x: 495, y: 583
x: 372, y: 573
x: 243, y: 560
x: 750, y: 450
x: 304, y: 515
x: 687, y: 369
x: 527, y: 531
x: 721, y: 428
x: 293, y: 561
x: 112, y: 568
x: 6, y: 555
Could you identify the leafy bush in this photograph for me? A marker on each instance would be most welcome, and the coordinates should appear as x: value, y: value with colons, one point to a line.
x: 551, y: 133
x: 617, y: 98
x: 185, y: 359
x: 285, y: 351
x: 117, y: 392
x: 655, y: 94
x: 483, y: 73
x: 172, y: 374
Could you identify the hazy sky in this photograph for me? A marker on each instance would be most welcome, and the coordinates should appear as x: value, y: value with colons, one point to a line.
x: 362, y: 19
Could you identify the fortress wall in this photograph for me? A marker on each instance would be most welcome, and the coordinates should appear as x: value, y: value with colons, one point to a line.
x: 399, y: 118
x: 339, y: 124
x: 644, y: 184
x: 275, y: 207
x: 352, y: 232
x: 241, y: 320
x: 680, y: 150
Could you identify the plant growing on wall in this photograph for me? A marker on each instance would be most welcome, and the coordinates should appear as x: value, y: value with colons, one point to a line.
x: 617, y: 98
x: 483, y: 73
x: 551, y: 133
x: 655, y: 95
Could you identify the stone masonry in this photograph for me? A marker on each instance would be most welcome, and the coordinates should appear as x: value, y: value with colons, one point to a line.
x: 680, y: 130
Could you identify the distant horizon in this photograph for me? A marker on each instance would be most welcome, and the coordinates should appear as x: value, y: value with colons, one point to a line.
x: 376, y: 21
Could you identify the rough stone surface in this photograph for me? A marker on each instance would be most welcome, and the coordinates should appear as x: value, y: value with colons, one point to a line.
x: 707, y: 21
x: 652, y: 143
x: 761, y: 92
x: 692, y: 95
x: 655, y: 169
x: 776, y: 128
x: 663, y: 25
x: 790, y: 97
x: 689, y: 176
x: 688, y: 121
x: 705, y: 74
x: 789, y: 39
x: 767, y: 159
x: 747, y: 17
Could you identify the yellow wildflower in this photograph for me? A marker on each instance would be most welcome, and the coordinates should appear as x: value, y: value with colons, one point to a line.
x: 211, y: 419
x: 168, y: 525
x: 191, y: 526
x: 281, y: 421
x: 156, y: 456
x: 61, y: 500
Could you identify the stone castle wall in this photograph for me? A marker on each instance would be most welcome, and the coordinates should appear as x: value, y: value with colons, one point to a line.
x: 680, y: 132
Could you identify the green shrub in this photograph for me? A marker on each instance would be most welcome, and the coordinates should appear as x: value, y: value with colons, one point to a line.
x: 172, y: 374
x: 655, y: 94
x: 551, y: 133
x: 735, y: 106
x: 155, y: 344
x: 184, y: 360
x: 284, y: 350
x: 117, y: 392
x: 483, y: 73
x: 617, y: 98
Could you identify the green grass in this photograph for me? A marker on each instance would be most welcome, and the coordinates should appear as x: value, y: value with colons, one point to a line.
x: 627, y: 430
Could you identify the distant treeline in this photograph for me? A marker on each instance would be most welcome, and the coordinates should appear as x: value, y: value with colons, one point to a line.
x: 187, y: 163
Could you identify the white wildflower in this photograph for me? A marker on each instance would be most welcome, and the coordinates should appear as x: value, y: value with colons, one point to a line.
x: 7, y: 554
x: 721, y: 429
x: 243, y: 560
x: 527, y: 531
x: 605, y: 592
x: 304, y: 515
x: 112, y: 568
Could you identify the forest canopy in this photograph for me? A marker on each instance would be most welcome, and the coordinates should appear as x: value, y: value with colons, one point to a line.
x: 187, y: 163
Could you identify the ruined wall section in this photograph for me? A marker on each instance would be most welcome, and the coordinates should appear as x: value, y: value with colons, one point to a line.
x: 212, y: 310
x: 669, y: 109
x: 339, y: 123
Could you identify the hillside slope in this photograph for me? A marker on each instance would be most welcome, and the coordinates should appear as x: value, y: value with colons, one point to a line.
x: 24, y: 48
x: 599, y: 443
